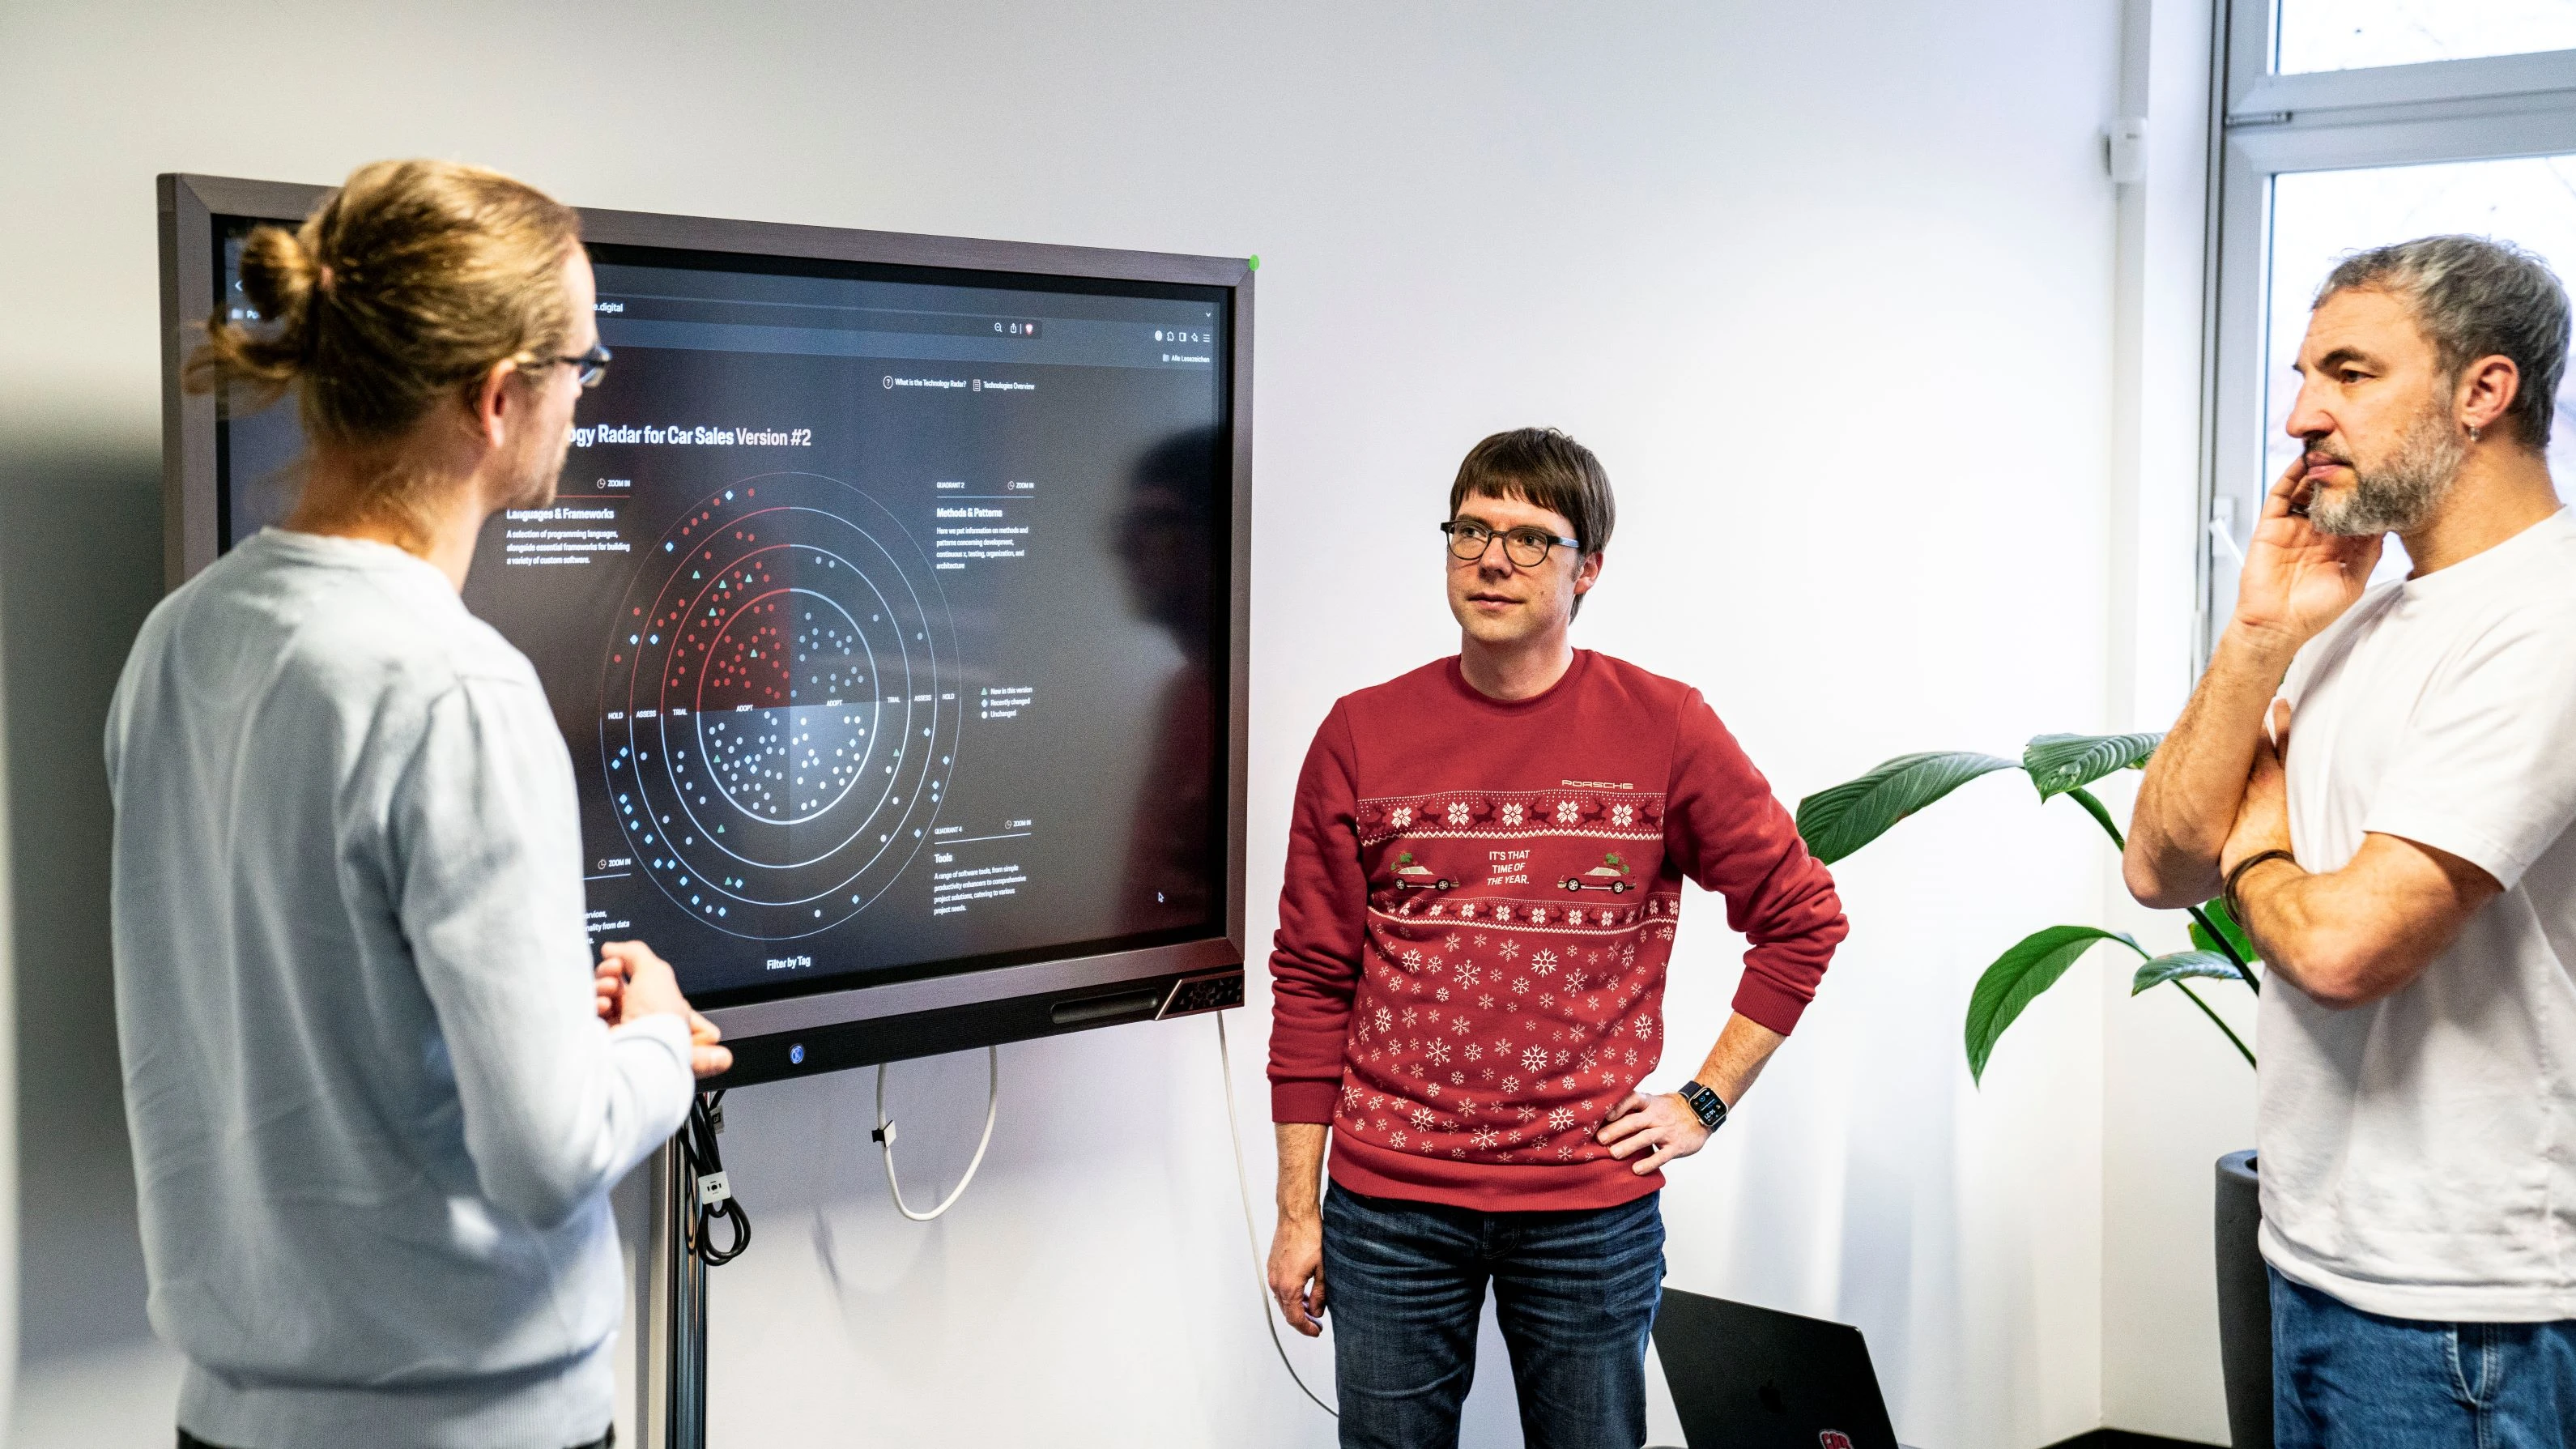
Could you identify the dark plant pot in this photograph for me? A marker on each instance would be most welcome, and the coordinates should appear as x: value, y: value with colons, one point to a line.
x: 2244, y: 1305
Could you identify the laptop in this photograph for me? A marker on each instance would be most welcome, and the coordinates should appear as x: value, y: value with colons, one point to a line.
x: 1751, y: 1378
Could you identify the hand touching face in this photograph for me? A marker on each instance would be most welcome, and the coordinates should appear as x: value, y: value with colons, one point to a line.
x: 2298, y: 578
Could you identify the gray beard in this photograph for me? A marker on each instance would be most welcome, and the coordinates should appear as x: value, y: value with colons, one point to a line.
x: 2400, y: 495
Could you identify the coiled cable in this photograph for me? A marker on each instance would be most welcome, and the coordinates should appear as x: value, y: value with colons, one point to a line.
x: 710, y: 1191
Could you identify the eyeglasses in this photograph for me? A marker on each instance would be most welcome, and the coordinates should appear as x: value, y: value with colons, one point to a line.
x: 1524, y: 546
x: 593, y: 366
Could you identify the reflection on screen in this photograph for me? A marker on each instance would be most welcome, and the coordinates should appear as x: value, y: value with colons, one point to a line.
x: 879, y: 613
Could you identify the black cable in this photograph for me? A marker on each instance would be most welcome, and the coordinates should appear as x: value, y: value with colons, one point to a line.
x: 710, y: 1190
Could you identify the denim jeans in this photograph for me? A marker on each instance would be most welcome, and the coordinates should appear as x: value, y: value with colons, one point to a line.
x: 608, y: 1441
x: 2345, y: 1379
x: 1576, y: 1294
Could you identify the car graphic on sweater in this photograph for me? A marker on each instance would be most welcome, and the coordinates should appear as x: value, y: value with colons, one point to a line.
x: 1412, y: 875
x: 1610, y: 875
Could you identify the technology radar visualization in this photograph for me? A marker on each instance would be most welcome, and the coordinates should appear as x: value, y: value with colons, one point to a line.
x: 780, y: 708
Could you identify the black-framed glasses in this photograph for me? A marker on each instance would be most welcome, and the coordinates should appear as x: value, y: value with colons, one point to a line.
x: 1524, y: 546
x: 591, y: 365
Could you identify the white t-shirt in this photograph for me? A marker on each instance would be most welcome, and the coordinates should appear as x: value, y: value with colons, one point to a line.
x: 2418, y: 1155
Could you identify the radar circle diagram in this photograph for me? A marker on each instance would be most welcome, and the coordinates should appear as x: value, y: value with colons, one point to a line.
x: 780, y: 712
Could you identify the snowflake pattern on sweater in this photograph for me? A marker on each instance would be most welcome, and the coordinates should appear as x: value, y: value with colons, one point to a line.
x: 1513, y: 985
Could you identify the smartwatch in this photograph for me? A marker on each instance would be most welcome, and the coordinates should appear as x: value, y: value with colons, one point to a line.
x: 1712, y: 1112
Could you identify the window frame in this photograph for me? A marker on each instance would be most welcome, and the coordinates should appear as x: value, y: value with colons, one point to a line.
x: 2265, y: 124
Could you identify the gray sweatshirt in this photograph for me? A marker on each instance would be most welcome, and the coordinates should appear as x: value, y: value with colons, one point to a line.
x: 375, y: 1117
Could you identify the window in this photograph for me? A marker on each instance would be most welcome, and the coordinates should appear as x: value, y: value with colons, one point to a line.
x: 2347, y: 124
x: 2314, y: 35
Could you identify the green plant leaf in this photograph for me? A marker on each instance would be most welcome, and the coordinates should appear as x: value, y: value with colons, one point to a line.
x: 2101, y: 817
x: 2030, y: 967
x: 2216, y: 910
x: 1837, y: 821
x: 2059, y: 763
x: 2179, y: 964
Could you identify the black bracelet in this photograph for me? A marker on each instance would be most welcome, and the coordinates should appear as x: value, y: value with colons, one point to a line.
x: 2236, y: 906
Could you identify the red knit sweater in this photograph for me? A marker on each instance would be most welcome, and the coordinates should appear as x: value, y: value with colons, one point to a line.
x: 1480, y: 900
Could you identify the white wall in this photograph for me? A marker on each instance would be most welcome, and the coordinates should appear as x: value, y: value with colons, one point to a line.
x: 1830, y: 287
x: 2175, y: 1095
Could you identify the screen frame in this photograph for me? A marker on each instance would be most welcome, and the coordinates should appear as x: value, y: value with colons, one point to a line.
x: 825, y: 1029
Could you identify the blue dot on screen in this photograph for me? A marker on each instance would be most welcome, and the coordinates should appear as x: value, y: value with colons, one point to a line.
x: 796, y: 1056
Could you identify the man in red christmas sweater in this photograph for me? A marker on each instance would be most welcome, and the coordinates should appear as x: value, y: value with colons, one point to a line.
x: 1484, y: 875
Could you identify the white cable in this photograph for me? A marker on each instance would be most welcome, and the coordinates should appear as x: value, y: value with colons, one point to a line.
x: 885, y: 1139
x: 1251, y: 1234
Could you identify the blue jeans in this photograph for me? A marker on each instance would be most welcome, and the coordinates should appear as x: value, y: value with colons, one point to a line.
x: 1576, y: 1293
x: 609, y: 1443
x: 2345, y: 1379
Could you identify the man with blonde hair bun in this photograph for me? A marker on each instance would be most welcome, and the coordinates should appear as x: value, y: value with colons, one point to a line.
x: 377, y: 1090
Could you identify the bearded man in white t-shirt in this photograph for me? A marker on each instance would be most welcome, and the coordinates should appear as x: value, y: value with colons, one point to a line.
x: 2402, y: 858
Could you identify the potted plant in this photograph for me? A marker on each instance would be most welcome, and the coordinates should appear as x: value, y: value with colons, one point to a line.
x: 1838, y: 821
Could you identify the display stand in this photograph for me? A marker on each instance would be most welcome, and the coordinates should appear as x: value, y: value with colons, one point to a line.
x: 673, y: 1386
x: 671, y: 1306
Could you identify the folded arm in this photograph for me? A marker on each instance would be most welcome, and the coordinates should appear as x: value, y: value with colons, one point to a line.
x: 2195, y: 784
x: 2351, y: 936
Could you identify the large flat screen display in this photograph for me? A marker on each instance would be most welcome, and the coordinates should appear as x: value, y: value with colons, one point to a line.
x: 884, y: 608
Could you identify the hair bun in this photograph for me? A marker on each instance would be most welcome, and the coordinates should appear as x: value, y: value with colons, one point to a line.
x: 436, y: 273
x: 279, y: 275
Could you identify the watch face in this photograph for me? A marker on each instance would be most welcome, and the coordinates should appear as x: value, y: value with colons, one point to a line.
x: 1703, y: 1101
